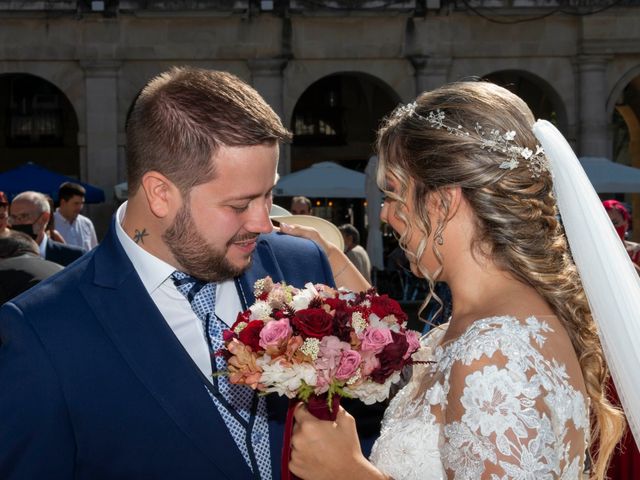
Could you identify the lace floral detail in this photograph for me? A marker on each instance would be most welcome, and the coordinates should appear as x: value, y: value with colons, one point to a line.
x: 494, y: 404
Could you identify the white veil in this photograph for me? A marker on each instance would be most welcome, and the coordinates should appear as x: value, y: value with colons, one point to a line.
x: 609, y: 279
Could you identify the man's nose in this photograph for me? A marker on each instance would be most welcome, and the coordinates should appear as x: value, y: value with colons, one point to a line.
x: 259, y: 221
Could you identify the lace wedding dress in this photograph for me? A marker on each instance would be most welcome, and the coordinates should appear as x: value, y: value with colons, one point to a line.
x: 494, y: 403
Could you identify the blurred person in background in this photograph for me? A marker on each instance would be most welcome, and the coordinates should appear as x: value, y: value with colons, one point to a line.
x: 625, y: 462
x: 621, y: 219
x: 21, y: 266
x: 300, y: 206
x: 4, y: 214
x: 76, y: 229
x: 51, y: 226
x: 29, y: 213
x: 354, y: 250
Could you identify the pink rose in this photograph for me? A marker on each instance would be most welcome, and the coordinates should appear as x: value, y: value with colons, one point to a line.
x: 414, y: 342
x: 349, y: 363
x: 375, y: 339
x: 275, y: 333
x: 369, y: 363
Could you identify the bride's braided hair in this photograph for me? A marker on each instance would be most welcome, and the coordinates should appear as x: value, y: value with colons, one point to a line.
x: 515, y: 210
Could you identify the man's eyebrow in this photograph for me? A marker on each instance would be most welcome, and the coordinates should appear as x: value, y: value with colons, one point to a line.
x: 250, y: 197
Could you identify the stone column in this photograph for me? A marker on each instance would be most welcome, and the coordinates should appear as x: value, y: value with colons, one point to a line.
x: 594, y: 124
x: 430, y: 71
x: 266, y: 78
x: 101, y: 85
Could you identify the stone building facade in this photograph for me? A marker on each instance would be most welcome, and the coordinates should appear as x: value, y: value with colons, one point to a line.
x: 331, y: 69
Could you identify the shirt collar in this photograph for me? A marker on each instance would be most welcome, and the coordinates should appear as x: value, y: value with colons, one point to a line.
x: 62, y: 218
x: 43, y: 246
x: 152, y: 271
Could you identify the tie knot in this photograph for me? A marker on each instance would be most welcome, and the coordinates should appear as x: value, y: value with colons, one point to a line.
x: 187, y: 285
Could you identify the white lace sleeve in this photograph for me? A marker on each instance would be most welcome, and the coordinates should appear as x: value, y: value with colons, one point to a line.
x: 510, y: 411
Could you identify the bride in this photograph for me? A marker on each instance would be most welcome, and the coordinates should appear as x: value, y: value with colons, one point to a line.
x: 512, y: 386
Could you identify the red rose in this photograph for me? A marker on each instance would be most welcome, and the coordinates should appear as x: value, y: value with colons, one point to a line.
x: 382, y: 306
x: 250, y: 335
x: 341, y: 318
x: 313, y: 322
x: 391, y: 358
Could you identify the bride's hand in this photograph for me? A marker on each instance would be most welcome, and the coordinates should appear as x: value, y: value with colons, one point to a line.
x: 345, y: 274
x: 310, y: 234
x: 324, y: 450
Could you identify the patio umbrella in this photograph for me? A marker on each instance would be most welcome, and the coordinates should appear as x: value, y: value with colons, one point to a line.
x: 611, y: 177
x: 324, y: 179
x: 33, y: 177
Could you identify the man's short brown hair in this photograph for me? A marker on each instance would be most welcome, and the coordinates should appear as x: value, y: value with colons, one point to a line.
x: 183, y: 116
x: 68, y: 190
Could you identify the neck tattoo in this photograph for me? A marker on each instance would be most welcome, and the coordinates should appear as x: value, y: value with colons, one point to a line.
x: 138, y: 237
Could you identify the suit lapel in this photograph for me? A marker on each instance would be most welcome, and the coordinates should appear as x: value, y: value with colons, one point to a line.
x: 263, y: 263
x: 152, y: 351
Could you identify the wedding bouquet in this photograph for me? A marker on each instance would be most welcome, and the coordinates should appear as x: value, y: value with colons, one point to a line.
x: 318, y: 344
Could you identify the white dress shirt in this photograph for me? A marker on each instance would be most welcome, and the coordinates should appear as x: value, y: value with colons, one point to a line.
x: 175, y: 308
x: 79, y: 233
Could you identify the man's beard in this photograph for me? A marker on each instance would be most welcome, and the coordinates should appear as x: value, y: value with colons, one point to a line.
x: 198, y: 258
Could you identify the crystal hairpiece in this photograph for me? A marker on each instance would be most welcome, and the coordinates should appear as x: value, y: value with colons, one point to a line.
x: 493, y: 141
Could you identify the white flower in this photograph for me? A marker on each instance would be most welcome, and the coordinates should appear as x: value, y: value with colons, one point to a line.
x: 464, y: 452
x: 356, y: 376
x: 311, y: 347
x: 286, y: 380
x: 509, y: 136
x: 526, y: 153
x: 490, y: 401
x: 376, y: 322
x: 358, y: 322
x: 373, y: 392
x: 530, y: 465
x: 301, y: 299
x: 260, y: 310
x: 511, y: 164
x: 561, y: 405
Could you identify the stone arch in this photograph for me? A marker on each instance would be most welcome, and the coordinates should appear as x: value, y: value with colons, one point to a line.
x: 342, y: 109
x: 40, y: 124
x: 625, y: 119
x: 618, y: 88
x: 543, y: 100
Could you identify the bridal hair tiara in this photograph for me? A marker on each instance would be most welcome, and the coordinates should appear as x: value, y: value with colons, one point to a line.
x: 493, y: 141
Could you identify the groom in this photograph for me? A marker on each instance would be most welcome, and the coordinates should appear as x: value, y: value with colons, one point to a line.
x: 106, y: 369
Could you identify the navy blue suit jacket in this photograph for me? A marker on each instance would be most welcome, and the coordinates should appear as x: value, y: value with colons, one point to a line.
x: 61, y: 253
x: 94, y: 384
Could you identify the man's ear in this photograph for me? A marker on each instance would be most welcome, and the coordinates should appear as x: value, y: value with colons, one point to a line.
x: 45, y: 216
x: 161, y: 193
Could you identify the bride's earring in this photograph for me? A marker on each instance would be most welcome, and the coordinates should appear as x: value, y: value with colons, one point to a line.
x: 438, y: 238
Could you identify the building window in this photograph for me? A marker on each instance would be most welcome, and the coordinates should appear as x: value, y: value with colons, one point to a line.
x: 318, y: 116
x: 35, y: 113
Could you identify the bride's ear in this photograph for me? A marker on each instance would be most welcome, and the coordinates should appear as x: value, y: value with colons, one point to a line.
x: 453, y: 197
